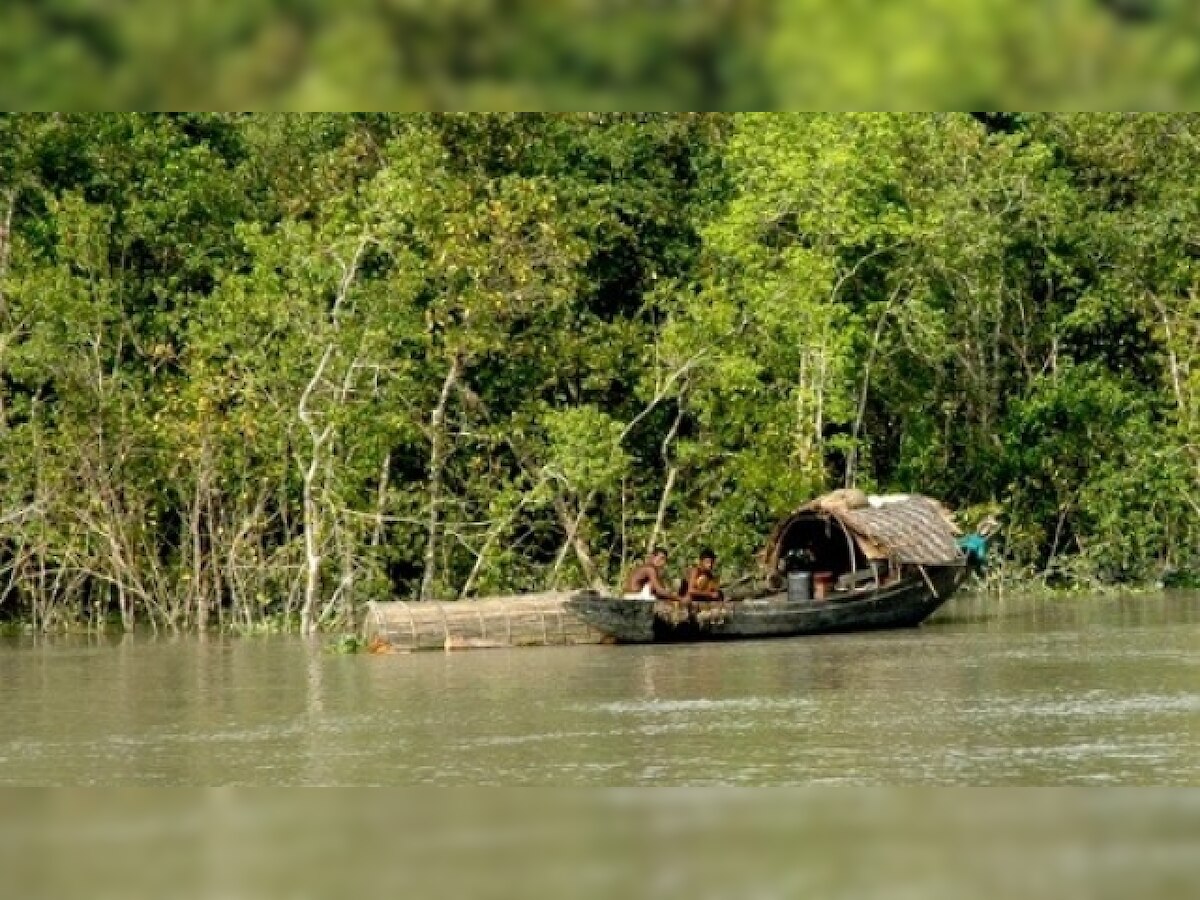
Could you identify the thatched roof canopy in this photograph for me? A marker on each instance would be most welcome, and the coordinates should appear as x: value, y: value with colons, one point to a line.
x: 908, y: 529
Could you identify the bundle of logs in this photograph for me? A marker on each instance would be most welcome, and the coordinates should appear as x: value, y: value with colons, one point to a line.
x: 529, y: 620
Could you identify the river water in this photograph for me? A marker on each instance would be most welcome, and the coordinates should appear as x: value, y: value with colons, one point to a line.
x: 1019, y: 691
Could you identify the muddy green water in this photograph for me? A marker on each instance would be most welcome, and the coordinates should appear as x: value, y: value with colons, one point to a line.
x: 1100, y: 691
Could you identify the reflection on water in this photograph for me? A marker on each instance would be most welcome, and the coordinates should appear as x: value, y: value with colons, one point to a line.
x: 1019, y: 691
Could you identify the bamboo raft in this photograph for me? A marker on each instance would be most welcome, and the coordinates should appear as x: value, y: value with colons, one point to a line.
x: 528, y: 620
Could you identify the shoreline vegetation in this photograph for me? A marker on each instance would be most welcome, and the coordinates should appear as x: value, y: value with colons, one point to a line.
x: 259, y: 370
x: 346, y: 637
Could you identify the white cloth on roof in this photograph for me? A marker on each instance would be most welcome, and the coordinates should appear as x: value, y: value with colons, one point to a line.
x: 878, y: 500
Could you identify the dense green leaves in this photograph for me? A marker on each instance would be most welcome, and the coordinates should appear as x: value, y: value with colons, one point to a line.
x: 257, y: 367
x: 583, y: 54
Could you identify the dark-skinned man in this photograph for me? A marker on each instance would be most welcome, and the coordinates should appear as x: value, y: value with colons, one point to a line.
x: 646, y: 581
x: 702, y: 581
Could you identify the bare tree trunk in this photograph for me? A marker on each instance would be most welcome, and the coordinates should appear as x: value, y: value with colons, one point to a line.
x: 381, y: 499
x: 312, y: 537
x: 319, y: 438
x: 672, y: 473
x: 574, y: 541
x: 241, y: 596
x: 126, y: 608
x: 803, y: 444
x: 819, y: 412
x: 572, y: 525
x: 624, y: 527
x: 852, y: 456
x: 214, y: 599
x: 5, y: 244
x: 1172, y: 358
x: 1062, y: 518
x: 196, y: 593
x: 312, y: 546
x: 6, y: 217
x: 437, y: 462
x: 469, y: 584
x: 345, y: 589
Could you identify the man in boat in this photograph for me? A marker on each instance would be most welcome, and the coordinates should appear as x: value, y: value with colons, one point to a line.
x: 646, y: 581
x: 702, y: 582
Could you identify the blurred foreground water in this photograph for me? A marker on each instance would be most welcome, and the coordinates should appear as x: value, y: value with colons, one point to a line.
x: 1023, y: 691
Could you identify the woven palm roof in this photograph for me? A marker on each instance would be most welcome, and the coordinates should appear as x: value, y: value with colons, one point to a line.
x: 910, y: 529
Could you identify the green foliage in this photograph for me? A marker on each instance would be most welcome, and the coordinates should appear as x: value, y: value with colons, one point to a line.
x: 526, y: 54
x: 585, y: 449
x: 231, y: 345
x: 347, y: 645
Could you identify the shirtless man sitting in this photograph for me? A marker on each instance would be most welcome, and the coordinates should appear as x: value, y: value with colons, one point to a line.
x: 646, y: 581
x: 702, y: 581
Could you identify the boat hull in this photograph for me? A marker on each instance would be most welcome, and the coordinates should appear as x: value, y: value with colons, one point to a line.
x: 904, y: 604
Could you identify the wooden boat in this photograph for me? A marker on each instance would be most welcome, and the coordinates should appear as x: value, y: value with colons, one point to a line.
x: 905, y: 603
x: 891, y: 563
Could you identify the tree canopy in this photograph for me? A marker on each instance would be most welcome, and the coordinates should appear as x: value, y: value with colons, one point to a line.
x: 259, y: 366
x: 599, y: 54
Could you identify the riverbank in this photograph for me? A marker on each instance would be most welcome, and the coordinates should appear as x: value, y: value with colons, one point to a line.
x: 1028, y: 589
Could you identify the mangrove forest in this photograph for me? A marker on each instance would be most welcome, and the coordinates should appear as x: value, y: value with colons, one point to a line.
x: 263, y: 368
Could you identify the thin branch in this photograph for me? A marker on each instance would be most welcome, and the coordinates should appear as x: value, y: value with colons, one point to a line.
x: 20, y: 514
x: 852, y: 457
x: 661, y: 392
x: 672, y: 474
